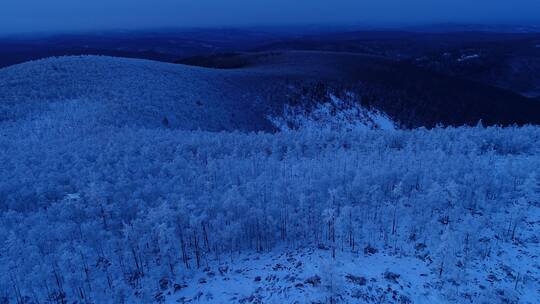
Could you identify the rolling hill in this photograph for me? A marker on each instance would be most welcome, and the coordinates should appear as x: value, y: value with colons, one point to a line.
x: 135, y: 181
x: 133, y: 91
x: 240, y: 91
x: 412, y: 95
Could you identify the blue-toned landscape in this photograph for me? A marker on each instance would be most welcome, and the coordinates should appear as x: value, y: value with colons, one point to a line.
x: 326, y: 153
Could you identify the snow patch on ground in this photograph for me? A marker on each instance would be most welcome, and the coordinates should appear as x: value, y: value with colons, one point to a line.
x: 508, y: 273
x: 468, y: 57
x: 309, y: 276
x: 336, y: 114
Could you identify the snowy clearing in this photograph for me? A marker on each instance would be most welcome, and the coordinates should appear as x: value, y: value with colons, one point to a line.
x: 308, y: 276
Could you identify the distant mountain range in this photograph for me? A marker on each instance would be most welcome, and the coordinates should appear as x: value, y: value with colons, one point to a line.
x: 419, y: 77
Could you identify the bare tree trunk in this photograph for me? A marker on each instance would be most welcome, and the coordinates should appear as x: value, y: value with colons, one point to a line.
x: 184, y: 253
x: 86, y: 270
x: 16, y: 289
x: 197, y: 250
x: 205, y: 233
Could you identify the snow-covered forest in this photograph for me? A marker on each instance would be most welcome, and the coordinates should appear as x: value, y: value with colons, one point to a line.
x: 118, y: 214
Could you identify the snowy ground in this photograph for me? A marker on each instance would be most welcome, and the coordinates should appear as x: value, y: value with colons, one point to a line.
x: 313, y: 276
x: 338, y: 113
x: 101, y: 202
x: 510, y: 274
x: 307, y: 276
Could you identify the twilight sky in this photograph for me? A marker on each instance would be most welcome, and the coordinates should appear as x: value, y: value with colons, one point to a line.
x: 65, y: 15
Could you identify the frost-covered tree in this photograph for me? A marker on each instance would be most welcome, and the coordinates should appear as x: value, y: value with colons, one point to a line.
x: 90, y: 213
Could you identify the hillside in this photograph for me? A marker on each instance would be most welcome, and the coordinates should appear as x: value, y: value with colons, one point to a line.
x: 154, y: 94
x: 134, y: 91
x: 412, y: 95
x: 133, y: 181
x: 507, y: 56
x: 505, y: 59
x: 130, y: 214
x: 248, y: 88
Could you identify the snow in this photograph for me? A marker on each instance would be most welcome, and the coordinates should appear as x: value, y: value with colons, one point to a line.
x: 468, y: 57
x: 338, y: 113
x: 381, y: 120
x: 148, y: 93
x: 280, y: 276
x: 138, y: 92
x: 466, y: 197
x: 283, y: 276
x: 100, y: 202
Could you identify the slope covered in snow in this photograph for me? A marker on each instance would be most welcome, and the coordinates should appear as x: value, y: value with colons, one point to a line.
x: 129, y: 214
x: 103, y: 200
x: 154, y: 94
x: 137, y: 92
x: 337, y: 113
x: 411, y: 94
x: 308, y: 276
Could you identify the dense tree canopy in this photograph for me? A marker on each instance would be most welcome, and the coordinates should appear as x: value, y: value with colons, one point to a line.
x: 90, y: 213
